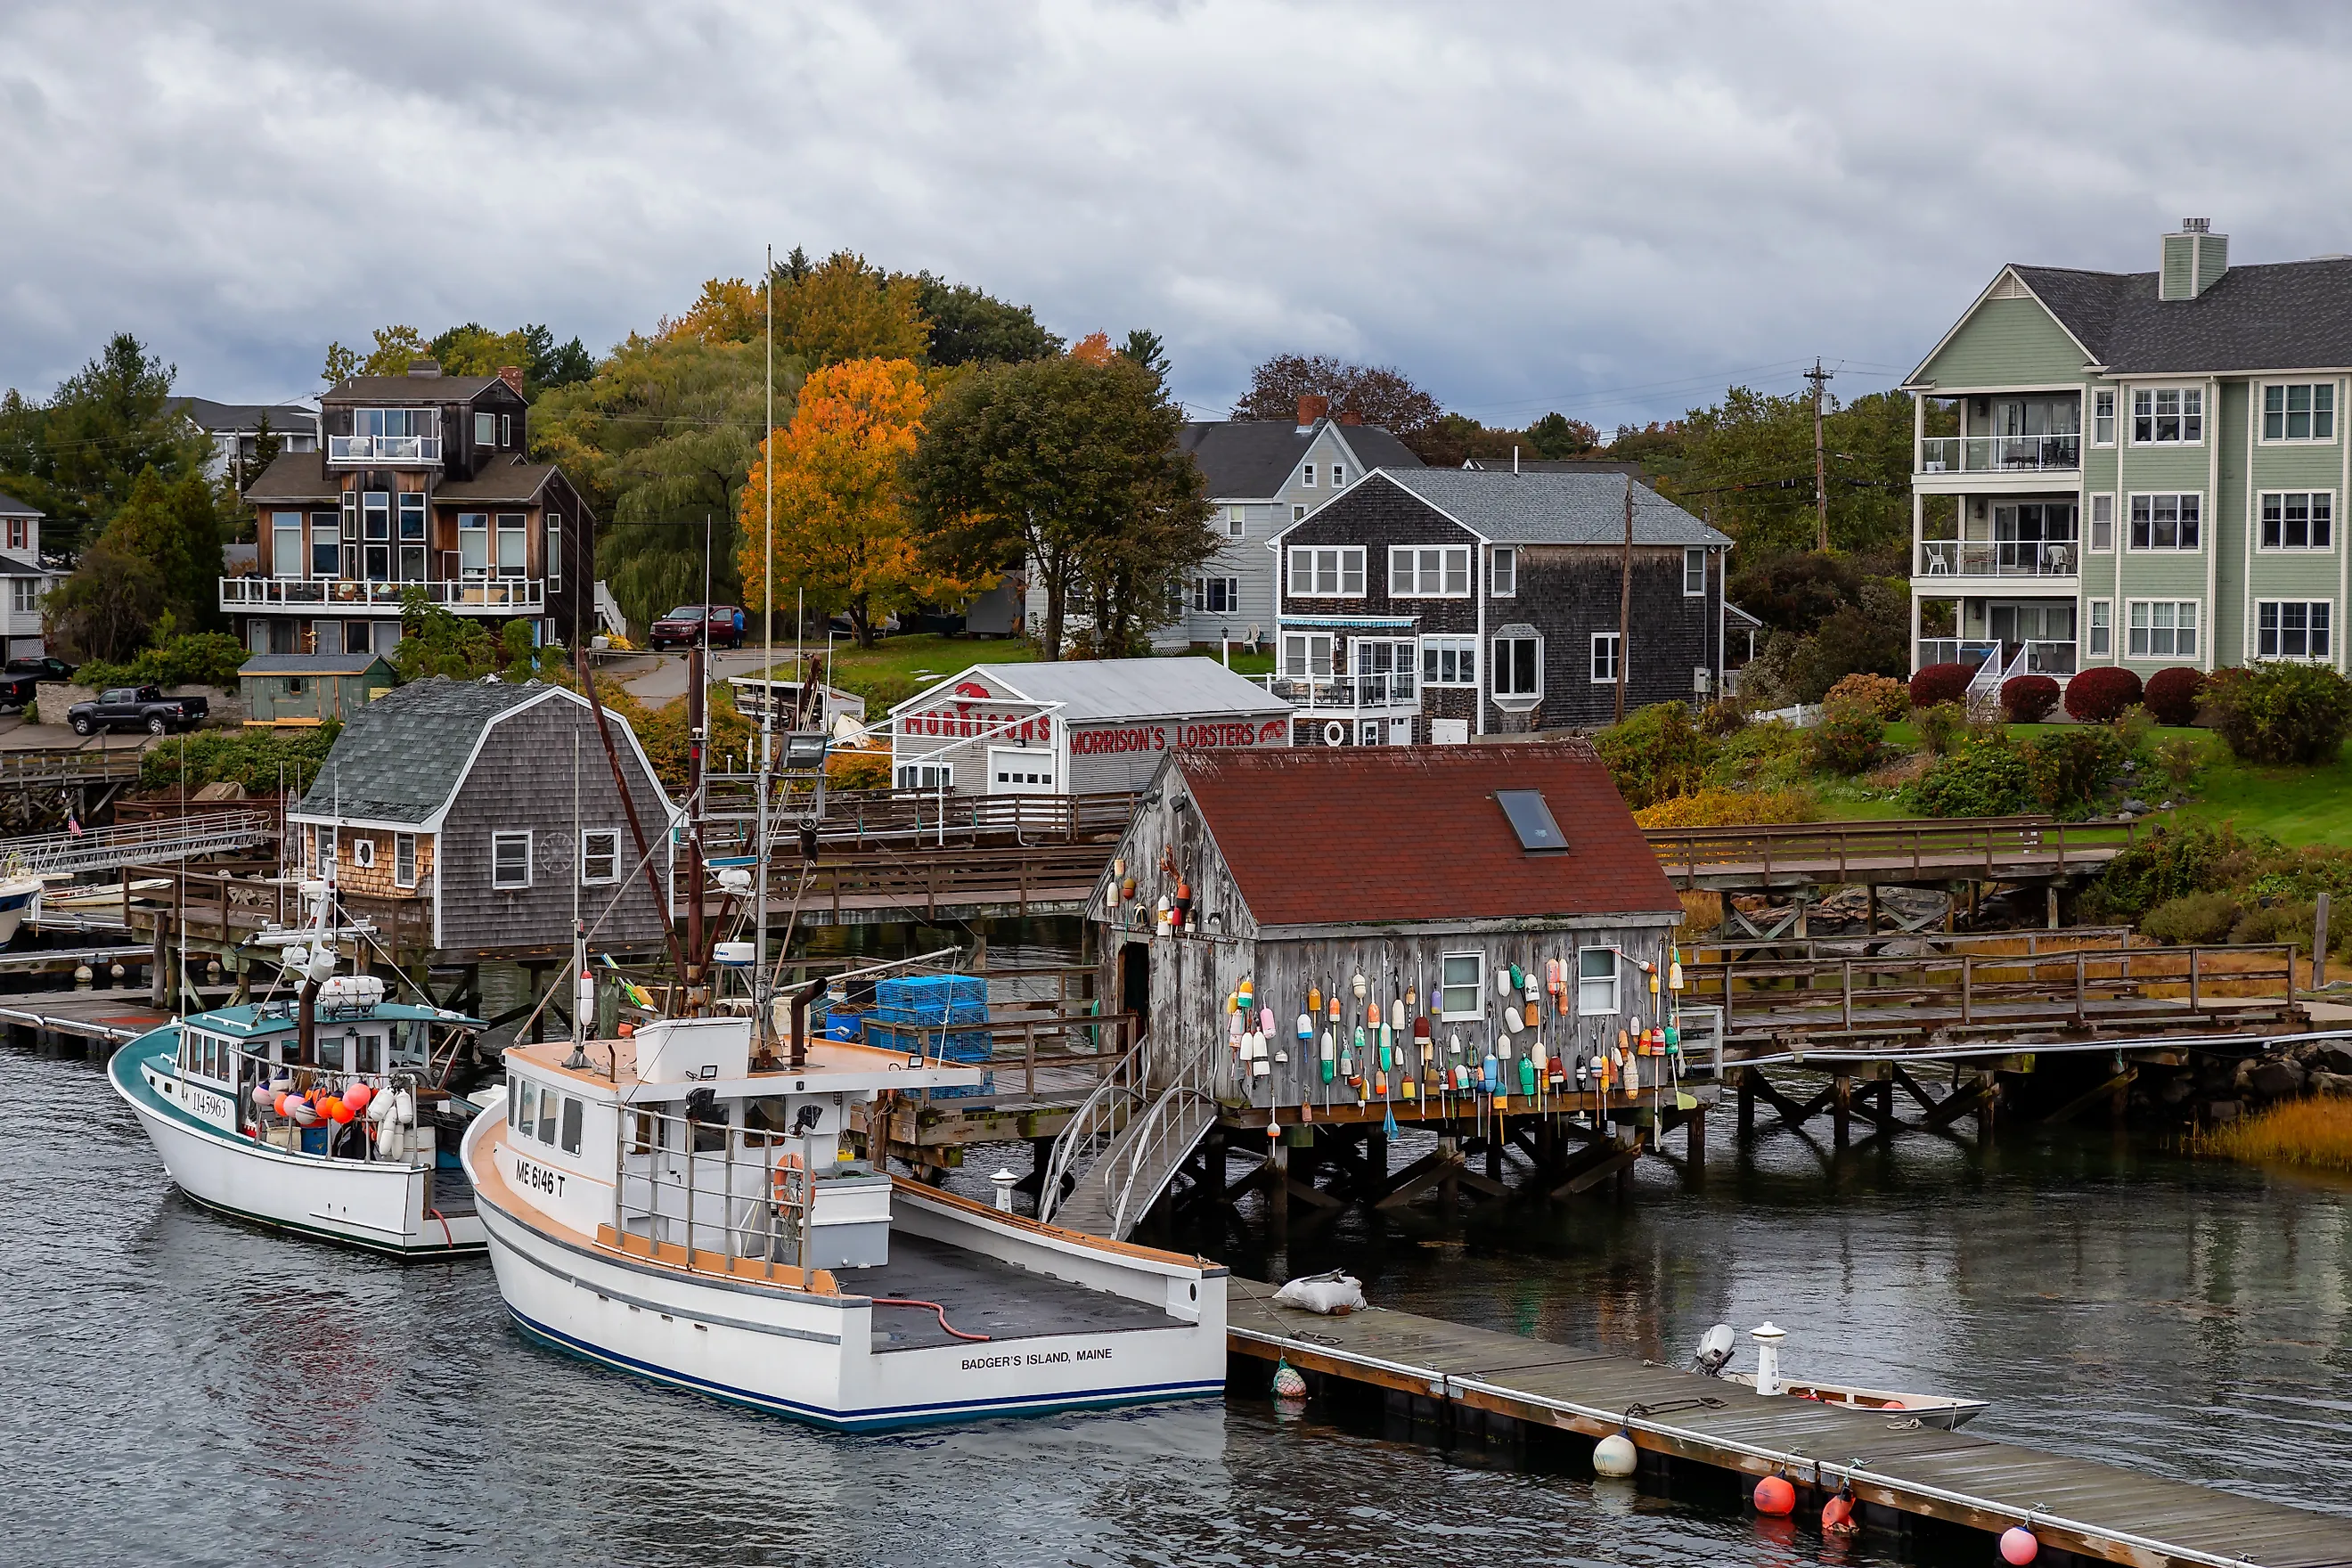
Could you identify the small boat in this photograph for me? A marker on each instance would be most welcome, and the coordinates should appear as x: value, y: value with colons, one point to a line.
x: 677, y: 1204
x: 20, y: 899
x: 315, y: 1114
x: 1945, y: 1411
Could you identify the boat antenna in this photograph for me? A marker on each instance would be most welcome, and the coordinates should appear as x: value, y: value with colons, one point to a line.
x: 180, y: 991
x: 582, y: 985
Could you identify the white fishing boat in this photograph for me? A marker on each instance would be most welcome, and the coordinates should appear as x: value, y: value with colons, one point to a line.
x: 1943, y: 1410
x: 20, y: 899
x: 314, y: 1114
x: 678, y: 1205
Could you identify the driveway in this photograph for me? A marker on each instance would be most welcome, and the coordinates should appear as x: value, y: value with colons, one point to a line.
x: 660, y: 678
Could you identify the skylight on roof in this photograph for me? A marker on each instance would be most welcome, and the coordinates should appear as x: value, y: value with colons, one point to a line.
x: 1532, y: 820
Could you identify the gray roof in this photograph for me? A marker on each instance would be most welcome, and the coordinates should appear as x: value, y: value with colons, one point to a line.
x: 311, y: 664
x: 12, y: 567
x: 225, y: 416
x: 295, y: 476
x: 1557, y: 465
x: 1251, y: 459
x: 409, y: 388
x: 1553, y: 509
x: 2279, y: 316
x: 402, y: 756
x: 11, y: 506
x: 501, y: 479
x: 1092, y: 689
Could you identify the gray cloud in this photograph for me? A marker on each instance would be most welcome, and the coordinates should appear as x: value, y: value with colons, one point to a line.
x: 1606, y: 210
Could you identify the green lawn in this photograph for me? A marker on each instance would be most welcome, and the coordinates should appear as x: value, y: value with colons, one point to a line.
x: 2294, y: 806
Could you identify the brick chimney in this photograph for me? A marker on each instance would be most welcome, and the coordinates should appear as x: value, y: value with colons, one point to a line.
x: 512, y: 375
x: 1349, y: 416
x: 1310, y: 410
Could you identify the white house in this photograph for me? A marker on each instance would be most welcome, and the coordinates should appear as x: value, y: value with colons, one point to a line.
x: 27, y: 580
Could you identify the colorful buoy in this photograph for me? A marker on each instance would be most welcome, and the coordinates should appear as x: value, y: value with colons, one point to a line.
x: 2019, y: 1546
x: 1775, y: 1497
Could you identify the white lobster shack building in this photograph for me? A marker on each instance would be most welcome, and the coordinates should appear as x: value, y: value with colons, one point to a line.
x: 1075, y: 727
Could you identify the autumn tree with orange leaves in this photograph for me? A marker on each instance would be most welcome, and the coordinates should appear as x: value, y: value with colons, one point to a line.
x: 844, y: 533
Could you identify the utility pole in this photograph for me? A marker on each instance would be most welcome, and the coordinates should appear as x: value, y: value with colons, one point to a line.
x: 1817, y: 375
x: 1624, y: 602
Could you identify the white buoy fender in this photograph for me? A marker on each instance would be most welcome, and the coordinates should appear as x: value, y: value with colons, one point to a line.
x: 1615, y: 1455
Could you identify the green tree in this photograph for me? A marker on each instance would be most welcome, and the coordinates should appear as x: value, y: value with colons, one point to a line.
x: 106, y: 609
x: 1749, y: 461
x: 1146, y: 349
x: 433, y: 641
x: 1378, y: 395
x: 175, y: 526
x: 1558, y: 436
x: 107, y: 424
x: 969, y: 327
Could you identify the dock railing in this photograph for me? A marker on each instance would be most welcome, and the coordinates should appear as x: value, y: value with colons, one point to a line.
x: 1988, y: 847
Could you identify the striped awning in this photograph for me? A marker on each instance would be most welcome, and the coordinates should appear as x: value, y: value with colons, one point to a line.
x: 1353, y: 623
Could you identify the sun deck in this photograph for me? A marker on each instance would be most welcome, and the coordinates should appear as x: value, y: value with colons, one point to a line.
x: 982, y: 1295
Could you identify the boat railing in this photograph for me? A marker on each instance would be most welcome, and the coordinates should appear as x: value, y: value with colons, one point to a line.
x: 319, y: 1085
x: 712, y: 1195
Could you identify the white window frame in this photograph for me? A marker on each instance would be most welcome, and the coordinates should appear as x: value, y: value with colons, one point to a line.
x: 1306, y: 476
x: 2103, y: 417
x: 1298, y: 513
x: 325, y: 860
x: 1596, y: 996
x: 363, y: 854
x: 1437, y: 652
x: 505, y: 429
x: 2099, y: 628
x: 1234, y: 522
x: 2134, y: 624
x: 279, y: 566
x: 612, y: 857
x: 2286, y: 390
x: 486, y: 430
x: 1695, y: 556
x: 499, y: 840
x: 1299, y: 656
x: 1409, y: 570
x: 931, y: 777
x: 2190, y: 420
x: 1339, y: 476
x: 1448, y: 991
x: 2276, y: 631
x: 1345, y: 561
x: 1503, y: 573
x: 1606, y: 641
x: 1232, y: 595
x: 403, y: 860
x: 553, y: 561
x: 2319, y: 508
x: 2131, y: 529
x: 1497, y: 667
x: 26, y: 595
x: 2091, y: 541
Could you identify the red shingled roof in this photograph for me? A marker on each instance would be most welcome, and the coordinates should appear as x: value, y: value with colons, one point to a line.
x: 1320, y: 836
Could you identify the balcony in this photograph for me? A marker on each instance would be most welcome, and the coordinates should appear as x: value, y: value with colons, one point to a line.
x: 2039, y: 657
x: 1998, y: 453
x: 384, y: 448
x: 465, y: 595
x: 1998, y: 558
x: 1346, y: 693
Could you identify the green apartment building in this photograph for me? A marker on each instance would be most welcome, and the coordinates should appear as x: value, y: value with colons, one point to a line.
x: 2142, y: 469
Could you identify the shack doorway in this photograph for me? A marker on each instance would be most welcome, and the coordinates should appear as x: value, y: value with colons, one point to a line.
x: 1135, y: 984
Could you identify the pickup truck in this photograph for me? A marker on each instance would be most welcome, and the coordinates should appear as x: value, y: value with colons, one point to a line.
x: 138, y: 708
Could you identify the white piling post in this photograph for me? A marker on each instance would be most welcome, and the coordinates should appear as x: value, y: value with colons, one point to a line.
x: 1004, y: 1181
x: 1767, y: 1358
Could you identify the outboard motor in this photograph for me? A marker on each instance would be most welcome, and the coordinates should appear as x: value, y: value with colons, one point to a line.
x: 1714, y: 1349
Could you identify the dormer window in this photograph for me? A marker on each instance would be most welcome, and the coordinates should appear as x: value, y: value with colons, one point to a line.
x: 1339, y: 475
x: 506, y: 430
x: 1307, y: 476
x: 486, y: 430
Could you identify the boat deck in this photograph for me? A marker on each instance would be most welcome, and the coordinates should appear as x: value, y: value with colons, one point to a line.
x: 984, y: 1296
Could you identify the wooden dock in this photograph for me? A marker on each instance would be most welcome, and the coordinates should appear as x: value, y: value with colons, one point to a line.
x: 2095, y: 1511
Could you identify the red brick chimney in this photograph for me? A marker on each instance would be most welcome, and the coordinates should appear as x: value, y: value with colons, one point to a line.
x: 1310, y: 410
x: 1349, y: 416
x: 512, y: 375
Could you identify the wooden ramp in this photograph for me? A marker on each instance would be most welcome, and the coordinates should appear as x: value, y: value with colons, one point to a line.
x: 2098, y: 1511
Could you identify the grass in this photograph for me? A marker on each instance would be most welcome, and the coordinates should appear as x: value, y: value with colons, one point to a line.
x: 2294, y: 804
x: 2315, y: 1131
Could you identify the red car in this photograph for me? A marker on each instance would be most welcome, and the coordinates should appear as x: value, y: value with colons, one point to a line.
x: 687, y: 624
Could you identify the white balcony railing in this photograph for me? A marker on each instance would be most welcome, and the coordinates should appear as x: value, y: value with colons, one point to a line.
x: 1970, y: 651
x: 1345, y: 693
x: 1998, y: 558
x: 2042, y: 657
x: 481, y: 595
x: 1998, y: 453
x: 384, y: 448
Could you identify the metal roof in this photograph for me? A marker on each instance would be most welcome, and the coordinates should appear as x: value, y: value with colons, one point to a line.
x: 2275, y: 316
x: 1553, y: 508
x: 1252, y: 459
x: 276, y: 1017
x: 311, y: 664
x: 1091, y: 691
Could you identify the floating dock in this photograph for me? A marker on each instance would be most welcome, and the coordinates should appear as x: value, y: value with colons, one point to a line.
x: 1441, y: 1372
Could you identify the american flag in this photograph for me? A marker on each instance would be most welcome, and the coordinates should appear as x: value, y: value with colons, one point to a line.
x: 73, y: 825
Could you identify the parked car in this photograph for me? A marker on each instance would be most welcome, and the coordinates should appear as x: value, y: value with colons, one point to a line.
x: 138, y: 708
x: 18, y: 691
x: 685, y: 626
x: 48, y: 667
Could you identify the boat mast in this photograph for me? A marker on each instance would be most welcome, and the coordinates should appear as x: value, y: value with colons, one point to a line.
x: 760, y: 1029
x: 583, y: 988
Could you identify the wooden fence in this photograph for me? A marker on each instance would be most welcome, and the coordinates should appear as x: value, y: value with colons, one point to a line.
x: 1992, y: 847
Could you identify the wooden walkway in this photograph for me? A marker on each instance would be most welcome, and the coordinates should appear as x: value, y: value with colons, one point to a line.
x: 1903, y: 851
x: 2098, y: 1511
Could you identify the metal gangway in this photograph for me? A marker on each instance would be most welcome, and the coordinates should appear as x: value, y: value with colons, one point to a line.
x: 139, y: 844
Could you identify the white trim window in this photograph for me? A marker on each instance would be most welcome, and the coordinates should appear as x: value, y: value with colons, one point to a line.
x: 2103, y: 418
x: 2161, y: 628
x: 2166, y: 522
x: 1217, y: 596
x: 403, y: 860
x: 514, y: 548
x: 554, y: 557
x: 2292, y: 628
x: 1306, y: 475
x: 2298, y: 520
x: 1309, y: 656
x: 1695, y: 571
x: 1605, y: 659
x: 1327, y: 572
x: 2103, y: 524
x: 486, y: 430
x: 25, y: 595
x: 1503, y: 572
x: 505, y: 429
x: 2299, y: 411
x: 1234, y: 522
x: 2168, y: 415
x: 510, y: 859
x: 2101, y: 628
x: 363, y: 854
x: 1339, y: 476
x: 600, y: 857
x: 1449, y: 661
x: 1298, y: 513
x: 1429, y: 571
x: 1518, y: 669
x: 927, y: 775
x: 1596, y: 982
x: 1462, y: 986
x: 286, y: 544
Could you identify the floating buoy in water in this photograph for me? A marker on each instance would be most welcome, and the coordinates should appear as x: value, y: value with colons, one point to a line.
x: 1775, y: 1497
x: 1615, y: 1454
x: 1837, y: 1515
x: 2019, y: 1546
x: 1287, y: 1382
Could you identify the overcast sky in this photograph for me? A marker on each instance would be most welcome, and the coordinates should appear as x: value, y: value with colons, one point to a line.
x: 1609, y: 210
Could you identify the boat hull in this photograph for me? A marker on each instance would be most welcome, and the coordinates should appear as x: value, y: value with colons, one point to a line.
x: 379, y: 1206
x: 1939, y: 1410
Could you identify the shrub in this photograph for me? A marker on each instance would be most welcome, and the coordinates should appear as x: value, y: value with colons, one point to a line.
x: 2099, y: 693
x: 1724, y: 716
x: 2281, y: 712
x: 1941, y: 727
x: 1882, y: 694
x: 2313, y: 1132
x: 1714, y: 807
x: 1976, y: 778
x: 2132, y: 726
x: 198, y: 658
x: 1774, y: 755
x: 2193, y: 918
x: 1848, y: 737
x: 2028, y: 699
x: 2177, y: 756
x: 2067, y: 767
x: 2164, y: 863
x: 1655, y: 754
x: 1941, y: 683
x: 260, y: 760
x: 2172, y: 693
x: 858, y: 770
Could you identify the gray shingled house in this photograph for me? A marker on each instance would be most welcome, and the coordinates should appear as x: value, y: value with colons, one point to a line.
x: 458, y: 796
